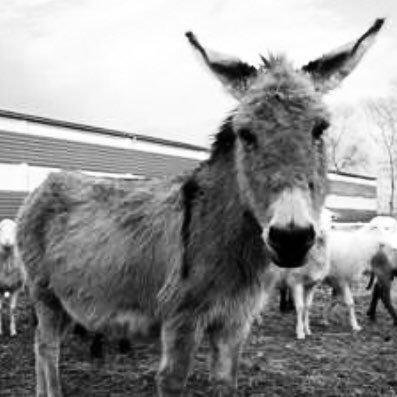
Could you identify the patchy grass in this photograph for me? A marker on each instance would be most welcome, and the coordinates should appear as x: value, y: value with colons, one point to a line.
x: 332, y: 362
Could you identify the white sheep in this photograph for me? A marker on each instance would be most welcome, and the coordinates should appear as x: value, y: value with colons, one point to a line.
x: 11, y: 273
x: 351, y: 254
x: 303, y: 281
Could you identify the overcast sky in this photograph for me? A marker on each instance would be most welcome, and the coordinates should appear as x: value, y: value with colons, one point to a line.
x: 125, y: 64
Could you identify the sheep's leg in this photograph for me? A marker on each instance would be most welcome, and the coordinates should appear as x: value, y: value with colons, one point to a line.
x: 1, y: 313
x: 308, y: 299
x: 178, y: 346
x: 13, y: 306
x: 371, y: 313
x: 52, y: 322
x: 297, y: 291
x: 349, y: 301
x: 226, y: 341
x: 327, y: 309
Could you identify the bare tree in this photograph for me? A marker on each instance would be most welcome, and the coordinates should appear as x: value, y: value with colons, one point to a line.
x: 383, y: 113
x: 346, y: 152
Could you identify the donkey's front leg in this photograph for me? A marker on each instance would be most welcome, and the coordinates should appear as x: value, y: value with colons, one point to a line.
x: 178, y: 340
x: 226, y: 341
x: 52, y: 324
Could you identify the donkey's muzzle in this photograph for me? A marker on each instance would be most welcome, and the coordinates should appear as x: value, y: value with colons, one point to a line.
x: 289, y: 245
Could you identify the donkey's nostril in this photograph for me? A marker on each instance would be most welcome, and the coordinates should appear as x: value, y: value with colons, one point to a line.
x: 291, y: 244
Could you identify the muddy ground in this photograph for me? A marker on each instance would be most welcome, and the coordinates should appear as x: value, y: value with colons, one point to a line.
x: 332, y: 362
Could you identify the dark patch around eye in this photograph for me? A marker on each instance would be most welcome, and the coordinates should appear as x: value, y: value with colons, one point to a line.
x: 319, y: 127
x: 247, y: 137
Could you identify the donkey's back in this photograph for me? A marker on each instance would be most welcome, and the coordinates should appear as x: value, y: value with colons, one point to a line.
x: 102, y: 247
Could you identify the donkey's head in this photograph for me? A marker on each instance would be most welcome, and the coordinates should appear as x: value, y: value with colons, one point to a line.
x: 275, y: 136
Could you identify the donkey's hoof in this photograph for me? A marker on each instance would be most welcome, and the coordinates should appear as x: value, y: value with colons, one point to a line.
x: 300, y: 336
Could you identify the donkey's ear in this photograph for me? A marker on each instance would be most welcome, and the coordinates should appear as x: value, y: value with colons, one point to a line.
x: 231, y: 71
x: 329, y: 70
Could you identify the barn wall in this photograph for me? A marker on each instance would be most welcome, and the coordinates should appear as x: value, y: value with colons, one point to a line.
x: 353, y: 198
x: 30, y: 147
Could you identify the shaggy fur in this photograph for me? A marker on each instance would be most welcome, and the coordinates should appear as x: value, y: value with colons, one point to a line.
x: 11, y: 273
x: 191, y: 254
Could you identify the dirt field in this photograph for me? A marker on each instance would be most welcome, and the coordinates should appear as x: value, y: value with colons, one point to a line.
x: 333, y: 362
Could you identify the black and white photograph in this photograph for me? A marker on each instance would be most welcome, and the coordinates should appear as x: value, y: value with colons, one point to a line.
x: 198, y: 198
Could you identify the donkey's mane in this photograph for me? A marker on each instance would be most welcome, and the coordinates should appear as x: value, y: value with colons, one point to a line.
x: 224, y: 139
x: 273, y: 61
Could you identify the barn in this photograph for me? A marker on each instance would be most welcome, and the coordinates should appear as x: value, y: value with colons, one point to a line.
x: 32, y: 146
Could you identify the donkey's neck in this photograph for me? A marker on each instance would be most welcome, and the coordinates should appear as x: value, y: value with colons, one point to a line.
x: 221, y: 220
x: 217, y: 181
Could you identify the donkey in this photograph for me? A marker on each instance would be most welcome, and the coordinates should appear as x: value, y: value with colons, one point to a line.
x: 190, y: 254
x: 384, y: 270
x: 11, y: 273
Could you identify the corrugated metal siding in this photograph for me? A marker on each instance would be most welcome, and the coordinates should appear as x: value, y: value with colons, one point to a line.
x: 50, y: 152
x: 9, y: 203
x: 353, y: 189
x: 56, y: 153
x: 351, y: 215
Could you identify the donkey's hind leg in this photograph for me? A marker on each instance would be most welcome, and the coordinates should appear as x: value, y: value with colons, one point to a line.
x: 51, y: 326
x: 226, y: 341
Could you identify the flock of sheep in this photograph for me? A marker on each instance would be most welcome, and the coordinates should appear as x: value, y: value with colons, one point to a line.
x: 370, y: 250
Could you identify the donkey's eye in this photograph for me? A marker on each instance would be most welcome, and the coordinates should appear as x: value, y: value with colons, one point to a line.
x: 319, y: 127
x: 247, y: 137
